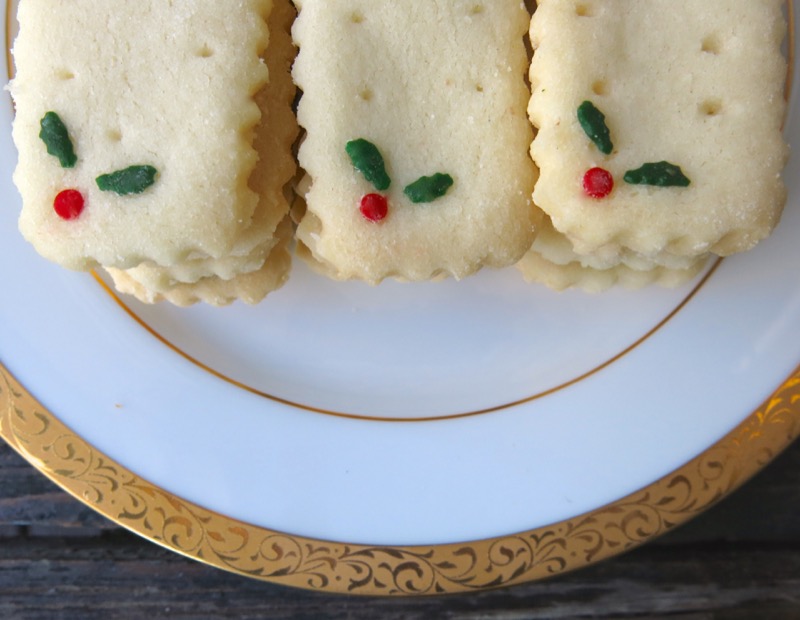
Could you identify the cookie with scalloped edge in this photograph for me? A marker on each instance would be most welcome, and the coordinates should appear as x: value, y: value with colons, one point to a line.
x: 274, y: 135
x: 537, y: 269
x: 659, y: 123
x: 416, y: 137
x: 554, y: 247
x: 135, y: 137
x: 250, y: 287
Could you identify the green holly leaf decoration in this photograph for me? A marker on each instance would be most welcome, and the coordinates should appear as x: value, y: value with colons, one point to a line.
x: 428, y: 189
x: 55, y: 135
x: 368, y: 160
x: 661, y: 174
x: 133, y: 180
x: 593, y: 122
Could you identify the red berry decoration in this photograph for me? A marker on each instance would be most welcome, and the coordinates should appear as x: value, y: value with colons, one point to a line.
x: 374, y: 207
x: 598, y: 183
x: 69, y: 204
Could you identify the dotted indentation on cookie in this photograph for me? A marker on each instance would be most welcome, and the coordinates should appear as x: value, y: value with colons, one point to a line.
x: 476, y: 9
x: 583, y: 9
x: 599, y: 87
x: 711, y: 107
x: 357, y: 17
x: 366, y: 95
x: 205, y: 52
x: 711, y: 45
x: 114, y: 135
x: 65, y: 74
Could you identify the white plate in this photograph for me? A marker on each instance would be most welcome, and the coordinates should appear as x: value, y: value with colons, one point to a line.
x: 574, y: 401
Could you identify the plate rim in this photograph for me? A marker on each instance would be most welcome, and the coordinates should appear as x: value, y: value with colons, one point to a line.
x: 395, y: 570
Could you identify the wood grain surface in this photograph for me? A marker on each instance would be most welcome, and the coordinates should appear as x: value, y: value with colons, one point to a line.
x: 58, y: 559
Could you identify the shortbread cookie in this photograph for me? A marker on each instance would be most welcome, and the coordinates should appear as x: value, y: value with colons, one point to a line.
x: 659, y: 123
x: 554, y: 247
x: 135, y: 127
x: 536, y: 268
x: 274, y: 136
x: 249, y: 287
x: 416, y: 136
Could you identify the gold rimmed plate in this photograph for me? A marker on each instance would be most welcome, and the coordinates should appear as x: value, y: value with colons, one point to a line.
x: 407, y: 438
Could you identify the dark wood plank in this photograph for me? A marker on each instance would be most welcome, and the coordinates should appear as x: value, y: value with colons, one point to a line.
x: 116, y: 576
x: 28, y: 498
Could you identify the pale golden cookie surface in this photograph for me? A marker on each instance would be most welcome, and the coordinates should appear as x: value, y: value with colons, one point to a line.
x: 694, y: 83
x: 437, y: 86
x: 146, y: 83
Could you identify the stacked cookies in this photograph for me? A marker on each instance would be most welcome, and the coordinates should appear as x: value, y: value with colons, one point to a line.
x: 159, y: 143
x: 141, y: 151
x: 658, y: 136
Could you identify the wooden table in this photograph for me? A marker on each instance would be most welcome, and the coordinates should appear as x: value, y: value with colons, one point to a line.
x: 58, y: 559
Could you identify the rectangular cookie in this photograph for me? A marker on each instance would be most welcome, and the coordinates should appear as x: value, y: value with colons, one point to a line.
x: 260, y: 261
x: 135, y: 125
x: 677, y: 104
x: 416, y: 145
